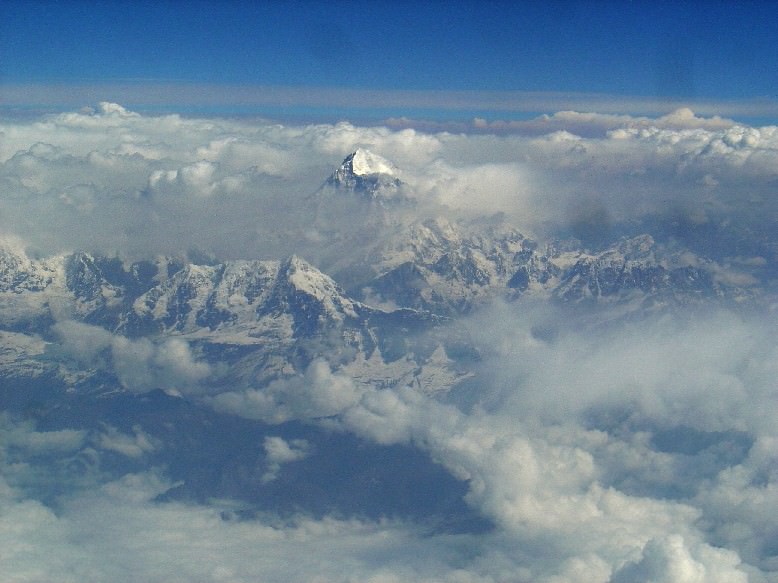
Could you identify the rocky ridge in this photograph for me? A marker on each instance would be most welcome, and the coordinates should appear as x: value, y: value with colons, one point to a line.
x: 254, y: 321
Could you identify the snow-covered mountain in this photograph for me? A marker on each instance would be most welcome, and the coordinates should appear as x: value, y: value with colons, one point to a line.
x: 255, y: 321
x: 387, y: 257
x: 367, y: 175
x: 370, y: 366
x: 452, y: 267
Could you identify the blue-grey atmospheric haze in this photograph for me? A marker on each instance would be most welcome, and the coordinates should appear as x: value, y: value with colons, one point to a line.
x: 388, y: 292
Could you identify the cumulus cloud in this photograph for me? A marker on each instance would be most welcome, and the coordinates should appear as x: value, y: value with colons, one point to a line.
x: 165, y: 184
x: 590, y: 124
x: 635, y: 452
x: 711, y: 362
x: 133, y: 446
x: 316, y: 394
x: 118, y: 531
x: 535, y: 487
x: 669, y: 559
x: 629, y: 451
x: 278, y: 451
x: 82, y: 341
x: 25, y: 437
x: 119, y: 534
x: 619, y: 450
x: 139, y: 364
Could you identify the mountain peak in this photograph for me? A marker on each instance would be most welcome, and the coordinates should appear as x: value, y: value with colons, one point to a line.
x: 304, y: 280
x: 363, y: 162
x: 305, y: 277
x: 369, y: 175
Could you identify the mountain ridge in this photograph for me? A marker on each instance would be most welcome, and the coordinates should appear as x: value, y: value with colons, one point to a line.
x: 395, y: 291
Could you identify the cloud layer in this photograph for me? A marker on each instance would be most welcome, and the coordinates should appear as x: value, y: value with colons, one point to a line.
x: 635, y: 451
x: 635, y: 454
x: 148, y: 185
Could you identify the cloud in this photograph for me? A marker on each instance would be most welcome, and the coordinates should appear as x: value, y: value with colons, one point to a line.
x: 367, y: 101
x: 82, y: 341
x: 316, y: 394
x: 25, y: 437
x: 278, y: 451
x: 591, y: 124
x: 740, y: 504
x: 237, y: 188
x: 639, y: 451
x: 575, y: 450
x: 614, y: 451
x: 670, y: 559
x: 118, y: 534
x: 133, y: 446
x: 479, y: 188
x: 139, y: 364
x: 118, y: 530
x: 164, y: 184
x: 548, y: 481
x: 629, y: 451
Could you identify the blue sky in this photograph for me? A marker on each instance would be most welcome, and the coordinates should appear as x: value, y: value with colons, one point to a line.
x: 705, y: 51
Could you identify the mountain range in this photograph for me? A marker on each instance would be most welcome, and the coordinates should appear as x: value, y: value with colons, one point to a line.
x: 267, y: 319
x: 269, y: 347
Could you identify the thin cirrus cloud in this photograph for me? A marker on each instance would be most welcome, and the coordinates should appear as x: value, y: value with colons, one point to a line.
x: 371, y: 102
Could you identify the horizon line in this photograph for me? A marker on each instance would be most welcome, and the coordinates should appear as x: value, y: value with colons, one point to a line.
x: 145, y: 94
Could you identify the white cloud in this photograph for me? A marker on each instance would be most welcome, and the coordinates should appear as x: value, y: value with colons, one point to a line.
x: 82, y: 341
x: 561, y: 453
x: 175, y: 363
x: 26, y: 438
x: 590, y: 124
x: 278, y: 451
x: 164, y: 184
x: 669, y: 559
x: 537, y: 467
x: 117, y: 533
x: 141, y: 364
x: 133, y: 446
x: 560, y: 442
x: 316, y: 394
x: 740, y: 505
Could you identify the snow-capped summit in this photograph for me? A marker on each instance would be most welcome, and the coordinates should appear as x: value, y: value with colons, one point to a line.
x: 302, y: 285
x: 363, y: 162
x: 368, y: 175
